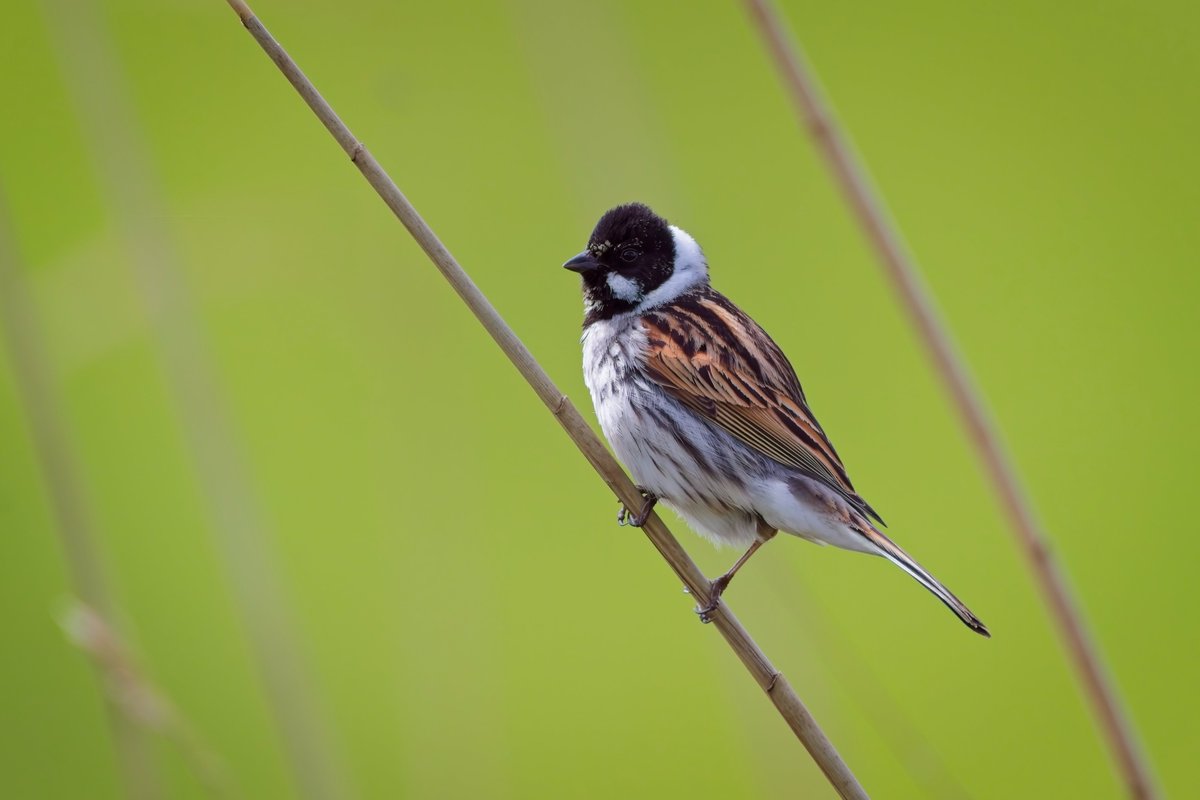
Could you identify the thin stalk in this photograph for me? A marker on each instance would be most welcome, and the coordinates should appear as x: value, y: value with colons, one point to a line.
x: 131, y: 725
x: 818, y: 118
x: 770, y: 680
x: 240, y: 526
x: 138, y: 698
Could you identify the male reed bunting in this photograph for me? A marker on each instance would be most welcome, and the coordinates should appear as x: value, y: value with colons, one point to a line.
x: 705, y: 410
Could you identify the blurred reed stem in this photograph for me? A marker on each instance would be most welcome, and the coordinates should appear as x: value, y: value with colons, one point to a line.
x: 134, y: 708
x: 771, y: 681
x: 818, y: 119
x: 239, y: 525
x: 138, y: 699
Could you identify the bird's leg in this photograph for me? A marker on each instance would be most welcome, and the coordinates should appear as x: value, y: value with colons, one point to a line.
x: 625, y: 517
x: 719, y: 585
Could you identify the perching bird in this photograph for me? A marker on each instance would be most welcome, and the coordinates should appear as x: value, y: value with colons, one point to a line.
x: 705, y: 410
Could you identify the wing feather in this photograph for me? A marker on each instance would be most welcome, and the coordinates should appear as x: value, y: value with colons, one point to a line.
x: 718, y: 362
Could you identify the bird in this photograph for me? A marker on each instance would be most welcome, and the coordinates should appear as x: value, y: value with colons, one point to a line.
x: 706, y: 411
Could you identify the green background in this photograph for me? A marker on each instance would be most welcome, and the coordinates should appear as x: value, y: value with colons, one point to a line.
x: 472, y: 622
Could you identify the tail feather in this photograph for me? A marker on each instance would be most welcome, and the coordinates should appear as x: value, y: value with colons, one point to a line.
x: 892, y: 552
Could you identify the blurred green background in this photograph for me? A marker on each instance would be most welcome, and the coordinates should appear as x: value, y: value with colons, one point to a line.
x: 471, y: 621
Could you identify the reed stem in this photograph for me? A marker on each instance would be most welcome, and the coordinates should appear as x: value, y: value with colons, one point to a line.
x: 238, y: 522
x: 770, y: 680
x: 817, y: 117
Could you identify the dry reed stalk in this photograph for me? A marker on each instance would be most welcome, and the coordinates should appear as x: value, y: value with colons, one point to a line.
x: 72, y: 518
x: 765, y: 675
x: 139, y: 699
x: 134, y: 708
x: 238, y: 522
x: 901, y: 269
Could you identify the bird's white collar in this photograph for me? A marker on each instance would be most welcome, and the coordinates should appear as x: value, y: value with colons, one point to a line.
x: 691, y: 270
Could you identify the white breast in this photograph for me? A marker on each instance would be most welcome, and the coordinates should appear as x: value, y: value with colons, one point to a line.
x: 611, y: 349
x: 669, y: 451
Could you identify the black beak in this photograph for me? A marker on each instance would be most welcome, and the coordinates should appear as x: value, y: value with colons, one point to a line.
x: 584, y: 262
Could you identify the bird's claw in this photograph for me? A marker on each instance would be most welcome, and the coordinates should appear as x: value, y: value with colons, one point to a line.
x: 627, y: 517
x: 715, y: 590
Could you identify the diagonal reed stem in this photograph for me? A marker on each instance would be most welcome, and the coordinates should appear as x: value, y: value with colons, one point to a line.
x: 765, y: 675
x: 901, y: 269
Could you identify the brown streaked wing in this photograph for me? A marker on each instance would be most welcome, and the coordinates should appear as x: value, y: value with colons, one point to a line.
x: 718, y: 362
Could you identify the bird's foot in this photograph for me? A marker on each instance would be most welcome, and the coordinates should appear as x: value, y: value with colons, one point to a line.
x: 627, y: 517
x: 715, y: 590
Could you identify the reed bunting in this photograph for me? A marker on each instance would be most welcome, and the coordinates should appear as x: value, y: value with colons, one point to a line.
x: 705, y: 410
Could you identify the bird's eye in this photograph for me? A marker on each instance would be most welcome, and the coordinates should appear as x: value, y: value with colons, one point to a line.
x: 629, y: 254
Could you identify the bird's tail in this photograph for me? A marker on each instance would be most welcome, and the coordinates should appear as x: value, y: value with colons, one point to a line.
x: 892, y: 552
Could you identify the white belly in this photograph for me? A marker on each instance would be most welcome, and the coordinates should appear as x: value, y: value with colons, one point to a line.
x: 666, y: 449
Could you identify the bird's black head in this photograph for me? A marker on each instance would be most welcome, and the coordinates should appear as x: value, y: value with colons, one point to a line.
x: 635, y: 259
